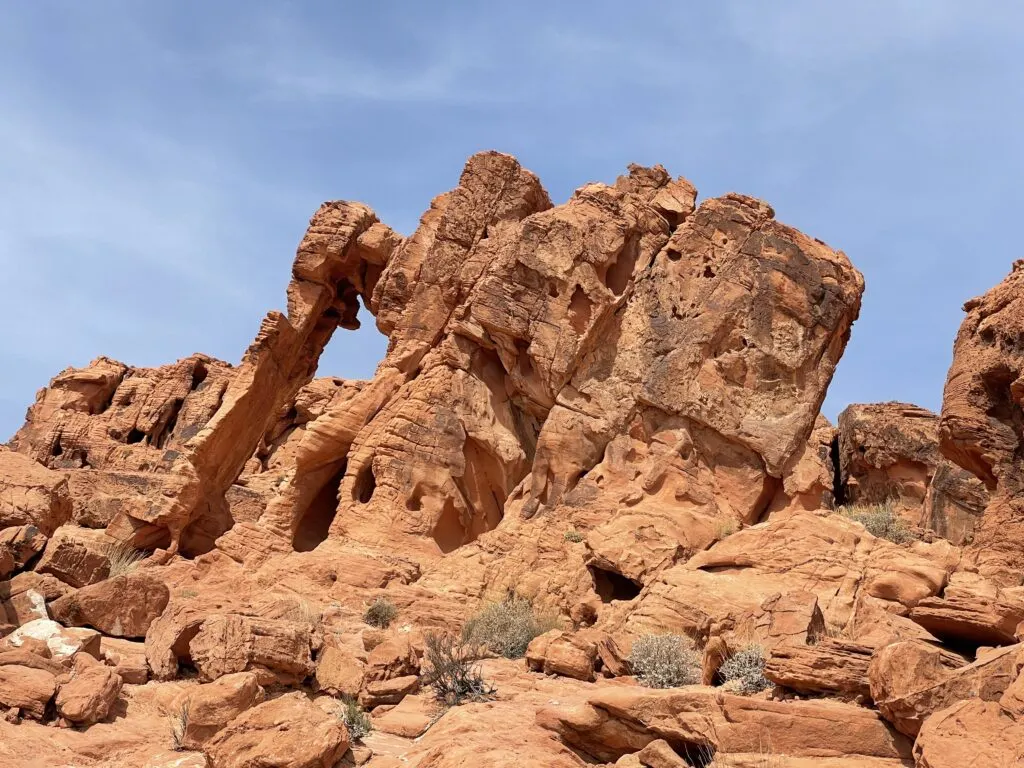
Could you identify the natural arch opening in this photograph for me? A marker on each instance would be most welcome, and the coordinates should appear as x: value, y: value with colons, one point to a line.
x: 315, y: 522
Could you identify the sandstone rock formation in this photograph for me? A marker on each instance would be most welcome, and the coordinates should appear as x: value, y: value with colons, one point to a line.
x: 609, y: 407
x: 889, y: 453
x: 981, y: 427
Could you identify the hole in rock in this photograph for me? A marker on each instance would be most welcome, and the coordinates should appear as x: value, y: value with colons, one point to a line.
x: 611, y: 585
x: 315, y: 522
x: 183, y: 653
x: 697, y: 755
x: 57, y: 448
x: 838, y: 489
x: 621, y: 270
x: 365, y: 485
x: 135, y: 436
x: 199, y: 374
x: 160, y: 436
x: 580, y: 307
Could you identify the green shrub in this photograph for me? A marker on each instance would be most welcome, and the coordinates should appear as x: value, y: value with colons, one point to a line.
x: 356, y: 721
x: 573, y: 535
x: 451, y: 669
x: 743, y: 671
x: 665, y: 661
x: 507, y: 627
x: 881, y: 520
x: 381, y: 613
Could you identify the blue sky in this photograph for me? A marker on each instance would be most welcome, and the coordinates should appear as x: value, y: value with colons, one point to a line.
x: 159, y: 160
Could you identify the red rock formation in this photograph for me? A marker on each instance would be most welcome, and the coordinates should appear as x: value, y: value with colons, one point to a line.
x: 889, y: 452
x: 609, y: 406
x: 982, y: 427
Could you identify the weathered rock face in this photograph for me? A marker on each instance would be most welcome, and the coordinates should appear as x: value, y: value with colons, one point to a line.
x: 982, y: 427
x: 889, y: 452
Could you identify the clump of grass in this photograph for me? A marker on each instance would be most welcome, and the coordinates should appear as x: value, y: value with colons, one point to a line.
x: 453, y: 672
x: 880, y: 520
x: 743, y: 671
x: 307, y: 613
x: 356, y: 720
x: 573, y: 535
x: 726, y: 529
x: 507, y: 627
x: 124, y: 558
x: 380, y: 613
x: 179, y: 726
x: 665, y: 661
x: 188, y: 593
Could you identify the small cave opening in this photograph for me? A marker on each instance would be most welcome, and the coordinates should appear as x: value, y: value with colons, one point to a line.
x: 365, y: 484
x: 315, y: 523
x: 838, y: 489
x: 57, y: 449
x: 611, y: 585
x: 183, y: 653
x: 135, y: 436
x: 199, y: 374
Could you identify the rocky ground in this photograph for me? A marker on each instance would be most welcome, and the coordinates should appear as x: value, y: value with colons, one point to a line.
x: 592, y: 459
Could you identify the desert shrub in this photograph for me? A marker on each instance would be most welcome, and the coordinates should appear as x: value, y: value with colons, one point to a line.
x: 355, y: 719
x: 665, y: 661
x: 452, y: 670
x: 380, y: 613
x: 507, y: 627
x: 573, y: 535
x: 881, y: 520
x: 179, y: 725
x: 124, y: 558
x: 308, y: 613
x: 743, y: 671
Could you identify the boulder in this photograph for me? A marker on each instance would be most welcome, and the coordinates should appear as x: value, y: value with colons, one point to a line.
x: 24, y: 598
x: 339, y: 672
x: 286, y: 732
x: 279, y: 651
x: 127, y: 658
x: 698, y: 720
x: 88, y: 696
x: 27, y: 689
x: 967, y: 616
x: 831, y: 666
x: 77, y: 556
x: 909, y: 683
x: 410, y: 718
x: 122, y: 606
x: 394, y: 657
x: 23, y: 542
x: 211, y: 706
x: 563, y: 653
x: 972, y: 732
x: 390, y: 691
x: 31, y: 494
x: 62, y: 642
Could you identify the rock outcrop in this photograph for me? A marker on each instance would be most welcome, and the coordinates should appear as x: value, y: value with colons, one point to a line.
x: 599, y: 422
x: 889, y: 453
x: 982, y: 427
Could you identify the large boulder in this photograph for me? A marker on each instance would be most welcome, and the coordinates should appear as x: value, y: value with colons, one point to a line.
x: 26, y: 688
x: 122, y: 606
x: 87, y: 695
x: 208, y: 708
x: 286, y: 732
x: 909, y: 683
x: 971, y: 732
x: 279, y: 651
x: 77, y: 556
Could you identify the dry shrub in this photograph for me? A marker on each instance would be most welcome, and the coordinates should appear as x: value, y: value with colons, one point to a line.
x: 743, y: 671
x: 124, y: 558
x: 507, y: 627
x: 665, y: 661
x: 452, y: 669
x: 880, y: 520
x: 380, y: 613
x: 179, y: 725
